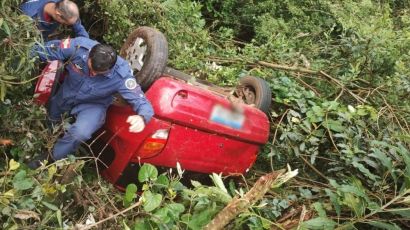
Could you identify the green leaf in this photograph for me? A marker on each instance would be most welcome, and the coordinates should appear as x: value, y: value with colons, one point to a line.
x: 384, y: 225
x: 334, y: 125
x: 355, y: 203
x: 51, y: 172
x: 334, y: 200
x: 195, y: 183
x: 386, y: 161
x: 151, y: 201
x: 319, y: 209
x: 162, y: 180
x: 6, y: 211
x: 401, y: 212
x: 147, y: 172
x: 2, y: 91
x: 403, y: 137
x: 125, y: 225
x: 352, y: 189
x: 21, y: 182
x: 331, y: 105
x: 217, y: 179
x: 365, y: 171
x: 142, y: 224
x: 50, y: 206
x: 8, y: 77
x: 319, y: 223
x: 59, y: 218
x: 27, y: 203
x: 176, y: 209
x: 13, y: 165
x: 6, y: 28
x: 130, y: 194
x: 199, y: 219
x: 162, y: 215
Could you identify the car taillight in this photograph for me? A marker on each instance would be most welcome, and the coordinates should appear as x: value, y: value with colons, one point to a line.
x: 154, y: 144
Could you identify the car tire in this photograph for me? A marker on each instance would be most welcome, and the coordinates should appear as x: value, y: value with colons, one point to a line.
x: 146, y: 49
x: 256, y: 91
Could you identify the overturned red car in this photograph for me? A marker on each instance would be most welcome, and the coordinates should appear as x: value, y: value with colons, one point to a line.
x: 201, y: 127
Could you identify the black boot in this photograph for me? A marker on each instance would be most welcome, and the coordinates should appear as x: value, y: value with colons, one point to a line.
x: 37, y: 161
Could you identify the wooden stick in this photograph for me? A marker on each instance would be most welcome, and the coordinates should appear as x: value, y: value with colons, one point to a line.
x: 238, y: 205
x: 309, y: 71
x: 284, y: 67
x: 110, y: 217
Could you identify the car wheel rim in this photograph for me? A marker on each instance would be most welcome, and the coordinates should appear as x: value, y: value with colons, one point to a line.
x: 135, y: 53
x: 246, y: 94
x: 249, y: 95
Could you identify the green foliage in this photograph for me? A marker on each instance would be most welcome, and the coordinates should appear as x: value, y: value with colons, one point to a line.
x: 17, y: 35
x: 345, y: 128
x: 130, y: 194
x: 29, y: 196
x: 114, y: 20
x: 148, y: 172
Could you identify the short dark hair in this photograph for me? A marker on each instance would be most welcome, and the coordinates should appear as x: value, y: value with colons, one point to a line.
x: 65, y: 7
x: 103, y: 57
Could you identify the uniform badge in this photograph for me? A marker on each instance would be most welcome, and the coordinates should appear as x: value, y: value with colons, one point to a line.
x: 78, y: 66
x: 66, y: 43
x: 131, y: 83
x: 53, y: 47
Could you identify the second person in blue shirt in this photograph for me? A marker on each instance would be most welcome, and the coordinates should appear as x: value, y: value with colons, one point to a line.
x: 49, y: 14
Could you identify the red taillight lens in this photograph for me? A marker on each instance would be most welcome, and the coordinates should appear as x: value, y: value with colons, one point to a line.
x: 154, y: 144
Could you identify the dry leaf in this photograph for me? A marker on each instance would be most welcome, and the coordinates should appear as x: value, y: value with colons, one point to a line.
x: 6, y: 142
x: 26, y: 214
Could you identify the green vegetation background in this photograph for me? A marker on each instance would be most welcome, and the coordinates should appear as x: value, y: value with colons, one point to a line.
x: 341, y: 114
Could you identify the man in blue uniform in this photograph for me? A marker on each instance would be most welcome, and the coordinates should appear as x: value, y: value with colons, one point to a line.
x: 95, y: 74
x: 48, y: 14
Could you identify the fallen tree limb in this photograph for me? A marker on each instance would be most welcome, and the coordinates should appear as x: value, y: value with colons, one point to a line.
x: 238, y: 205
x: 86, y: 227
x: 309, y: 71
x: 284, y: 67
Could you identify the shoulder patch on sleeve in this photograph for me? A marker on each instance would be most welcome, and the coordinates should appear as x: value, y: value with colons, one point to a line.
x: 131, y: 83
x: 65, y: 43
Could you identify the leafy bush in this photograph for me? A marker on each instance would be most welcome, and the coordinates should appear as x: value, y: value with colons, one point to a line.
x: 17, y: 35
x: 341, y: 112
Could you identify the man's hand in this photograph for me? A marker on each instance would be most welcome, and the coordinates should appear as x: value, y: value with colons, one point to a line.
x: 137, y: 123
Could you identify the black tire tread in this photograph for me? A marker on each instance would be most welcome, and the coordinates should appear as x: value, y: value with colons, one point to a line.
x: 262, y: 90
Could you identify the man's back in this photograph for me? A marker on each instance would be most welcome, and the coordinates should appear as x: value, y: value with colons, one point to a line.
x: 46, y: 23
x: 34, y: 8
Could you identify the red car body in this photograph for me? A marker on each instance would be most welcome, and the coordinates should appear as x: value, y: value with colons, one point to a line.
x: 195, y: 127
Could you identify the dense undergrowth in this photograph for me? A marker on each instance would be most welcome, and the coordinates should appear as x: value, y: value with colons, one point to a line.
x: 341, y: 88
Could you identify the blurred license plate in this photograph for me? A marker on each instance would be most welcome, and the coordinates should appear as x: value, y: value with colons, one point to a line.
x: 227, y: 117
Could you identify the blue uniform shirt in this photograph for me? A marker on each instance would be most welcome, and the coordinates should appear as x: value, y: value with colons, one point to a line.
x: 80, y: 88
x: 35, y: 9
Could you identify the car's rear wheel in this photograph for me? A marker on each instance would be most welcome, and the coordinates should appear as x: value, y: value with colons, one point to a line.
x: 147, y: 51
x: 254, y: 91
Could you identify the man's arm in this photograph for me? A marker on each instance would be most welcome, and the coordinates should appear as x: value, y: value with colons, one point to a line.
x: 55, y: 50
x: 132, y: 93
x: 30, y: 7
x: 79, y: 30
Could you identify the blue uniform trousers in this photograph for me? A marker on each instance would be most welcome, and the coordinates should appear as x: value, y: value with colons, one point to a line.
x: 89, y: 118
